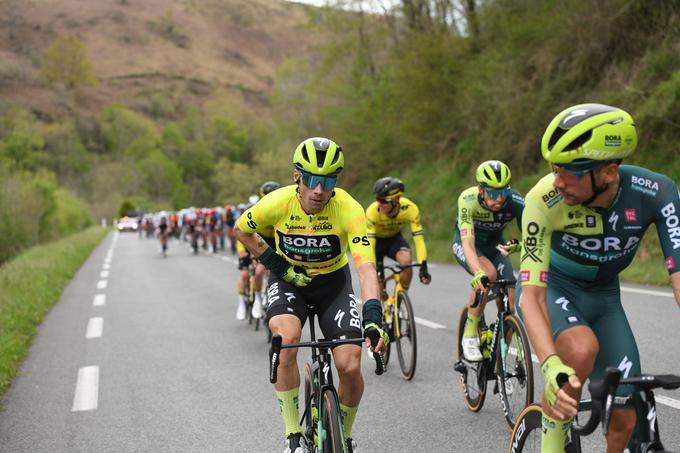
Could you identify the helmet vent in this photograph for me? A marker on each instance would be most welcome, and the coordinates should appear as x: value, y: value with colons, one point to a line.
x: 559, y: 132
x: 337, y: 155
x: 305, y: 156
x: 320, y: 157
x: 579, y: 141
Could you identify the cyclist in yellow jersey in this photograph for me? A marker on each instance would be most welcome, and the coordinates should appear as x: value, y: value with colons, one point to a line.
x: 386, y: 217
x: 244, y: 259
x: 314, y: 223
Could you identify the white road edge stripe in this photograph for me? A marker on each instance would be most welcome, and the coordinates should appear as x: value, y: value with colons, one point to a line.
x: 646, y: 291
x: 106, y: 266
x: 95, y: 328
x: 104, y: 274
x: 87, y: 389
x: 430, y: 324
x: 99, y: 300
x: 101, y: 284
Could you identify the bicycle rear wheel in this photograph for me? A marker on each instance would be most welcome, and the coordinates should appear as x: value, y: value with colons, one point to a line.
x: 405, y: 336
x: 332, y: 435
x: 526, y: 434
x: 515, y: 375
x: 473, y: 374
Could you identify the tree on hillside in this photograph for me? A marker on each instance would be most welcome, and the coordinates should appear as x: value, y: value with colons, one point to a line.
x: 66, y: 63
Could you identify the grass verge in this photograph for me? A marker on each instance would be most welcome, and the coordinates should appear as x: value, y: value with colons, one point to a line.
x: 30, y: 285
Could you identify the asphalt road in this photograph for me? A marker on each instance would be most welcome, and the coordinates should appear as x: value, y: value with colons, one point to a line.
x: 144, y: 354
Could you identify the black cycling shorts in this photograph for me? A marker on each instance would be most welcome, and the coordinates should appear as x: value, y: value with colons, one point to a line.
x: 271, y: 242
x: 332, y: 294
x: 244, y: 262
x: 389, y: 247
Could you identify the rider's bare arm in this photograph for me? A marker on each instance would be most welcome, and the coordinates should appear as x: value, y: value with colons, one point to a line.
x: 675, y: 281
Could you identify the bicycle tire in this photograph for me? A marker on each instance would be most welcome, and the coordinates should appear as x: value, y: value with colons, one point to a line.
x: 407, y: 346
x: 474, y: 378
x: 526, y: 434
x: 518, y: 371
x: 333, y: 436
x: 308, y: 423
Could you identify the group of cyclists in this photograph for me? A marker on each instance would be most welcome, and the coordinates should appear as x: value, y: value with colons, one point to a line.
x: 580, y: 227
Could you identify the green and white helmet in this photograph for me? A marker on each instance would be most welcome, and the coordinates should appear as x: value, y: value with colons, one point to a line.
x: 493, y: 173
x: 589, y: 132
x: 319, y: 156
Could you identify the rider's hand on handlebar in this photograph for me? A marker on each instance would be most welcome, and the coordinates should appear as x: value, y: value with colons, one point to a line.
x: 555, y: 375
x: 479, y: 281
x: 294, y: 277
x: 424, y: 276
x: 376, y: 338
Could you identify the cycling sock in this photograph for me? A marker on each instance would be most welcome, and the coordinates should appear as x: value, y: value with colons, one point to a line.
x: 348, y: 416
x: 288, y: 403
x: 471, y: 325
x: 554, y: 433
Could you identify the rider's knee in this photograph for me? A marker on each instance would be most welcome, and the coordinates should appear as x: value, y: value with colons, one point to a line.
x: 622, y: 424
x: 349, y: 366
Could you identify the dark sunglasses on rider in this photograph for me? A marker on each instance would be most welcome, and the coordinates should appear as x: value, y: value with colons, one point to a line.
x: 311, y: 180
x: 495, y: 193
x: 385, y: 200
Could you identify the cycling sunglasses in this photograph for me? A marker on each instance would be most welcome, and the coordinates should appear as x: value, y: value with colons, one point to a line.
x: 495, y: 193
x: 386, y: 200
x: 311, y: 180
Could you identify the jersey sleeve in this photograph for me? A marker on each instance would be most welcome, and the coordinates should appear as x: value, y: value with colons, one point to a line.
x: 466, y: 207
x: 418, y: 234
x: 668, y: 226
x: 240, y: 248
x: 518, y: 208
x: 536, y: 236
x: 357, y: 236
x: 262, y: 214
x: 371, y: 214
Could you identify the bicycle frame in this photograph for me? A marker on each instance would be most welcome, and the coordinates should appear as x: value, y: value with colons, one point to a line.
x: 393, y: 299
x: 322, y: 374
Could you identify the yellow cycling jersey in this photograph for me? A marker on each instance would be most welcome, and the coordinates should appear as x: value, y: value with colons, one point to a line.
x: 240, y: 248
x: 382, y: 226
x: 318, y: 243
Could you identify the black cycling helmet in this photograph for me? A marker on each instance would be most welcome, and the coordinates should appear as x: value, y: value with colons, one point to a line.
x: 267, y: 187
x: 388, y: 187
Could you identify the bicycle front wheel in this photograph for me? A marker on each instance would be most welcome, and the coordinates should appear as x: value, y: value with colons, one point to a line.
x: 526, y: 433
x: 405, y: 336
x: 473, y: 374
x: 332, y: 436
x: 515, y: 371
x: 310, y: 416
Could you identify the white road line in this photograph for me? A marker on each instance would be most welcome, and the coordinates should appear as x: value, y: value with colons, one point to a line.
x: 101, y: 284
x: 430, y: 324
x: 104, y: 274
x: 666, y: 401
x: 106, y: 266
x: 95, y: 328
x: 87, y: 389
x: 646, y: 291
x: 99, y: 300
x: 107, y: 261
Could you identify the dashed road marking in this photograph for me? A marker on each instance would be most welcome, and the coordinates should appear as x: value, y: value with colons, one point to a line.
x: 99, y: 300
x: 101, y: 284
x: 430, y: 324
x: 104, y: 274
x: 95, y: 328
x: 87, y: 389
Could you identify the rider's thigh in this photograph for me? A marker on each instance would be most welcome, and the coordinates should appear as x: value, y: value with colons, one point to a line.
x: 578, y: 347
x: 288, y: 327
x: 488, y: 267
x: 404, y: 257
